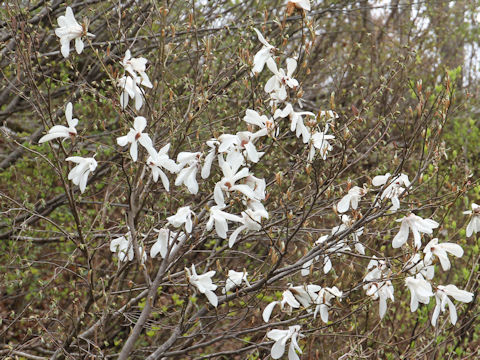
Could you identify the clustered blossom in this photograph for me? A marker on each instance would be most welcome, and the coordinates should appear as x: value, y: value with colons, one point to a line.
x: 305, y: 296
x: 235, y: 153
x: 130, y: 84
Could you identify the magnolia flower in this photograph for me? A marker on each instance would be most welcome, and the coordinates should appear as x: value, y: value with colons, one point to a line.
x: 219, y: 218
x: 262, y: 121
x: 323, y: 301
x: 165, y: 241
x: 417, y: 225
x: 442, y: 298
x: 305, y: 294
x: 327, y: 263
x: 183, y: 216
x: 130, y: 90
x: 276, y: 84
x: 60, y: 131
x: 258, y: 186
x: 136, y: 66
x: 204, y: 284
x: 474, y: 224
x: 228, y: 183
x: 287, y: 299
x: 242, y: 141
x: 250, y: 221
x: 70, y: 30
x: 157, y: 161
x: 188, y: 164
x: 123, y: 247
x: 136, y: 135
x: 299, y: 4
x: 320, y: 142
x: 296, y: 121
x: 207, y: 165
x: 281, y: 337
x: 433, y: 248
x: 421, y: 268
x: 347, y: 223
x: 394, y: 189
x: 79, y: 174
x: 352, y: 198
x: 262, y: 55
x: 376, y: 286
x: 235, y: 279
x: 420, y: 291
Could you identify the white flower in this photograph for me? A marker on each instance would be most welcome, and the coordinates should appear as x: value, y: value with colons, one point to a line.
x: 306, y: 294
x: 124, y: 248
x: 250, y: 221
x: 376, y: 284
x: 276, y: 84
x: 183, y: 216
x: 262, y: 55
x: 262, y: 121
x: 165, y: 241
x: 136, y: 135
x: 474, y: 224
x: 219, y: 218
x: 323, y: 301
x: 204, y: 284
x: 157, y: 161
x: 207, y: 165
x: 433, y: 248
x: 136, y: 67
x: 287, y: 299
x: 60, y: 131
x: 130, y: 90
x: 235, y: 279
x: 296, y: 121
x: 327, y: 263
x: 417, y: 225
x: 242, y: 141
x: 352, y: 198
x: 79, y: 174
x: 188, y: 164
x: 320, y: 142
x: 228, y: 183
x: 70, y: 30
x: 347, y: 223
x: 420, y: 267
x: 420, y: 291
x: 300, y: 4
x: 441, y: 299
x: 394, y: 189
x: 281, y: 337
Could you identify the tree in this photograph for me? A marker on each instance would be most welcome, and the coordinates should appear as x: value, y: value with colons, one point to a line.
x: 314, y: 165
